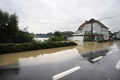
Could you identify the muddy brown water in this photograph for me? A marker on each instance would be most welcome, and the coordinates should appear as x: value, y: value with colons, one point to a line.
x: 12, y: 58
x: 43, y: 64
x: 83, y: 48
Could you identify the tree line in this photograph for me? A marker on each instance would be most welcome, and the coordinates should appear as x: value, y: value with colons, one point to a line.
x: 9, y: 29
x: 50, y: 34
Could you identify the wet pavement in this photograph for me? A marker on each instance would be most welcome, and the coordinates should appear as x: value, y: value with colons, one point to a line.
x: 45, y: 66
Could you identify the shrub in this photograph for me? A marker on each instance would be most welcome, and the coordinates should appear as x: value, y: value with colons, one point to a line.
x: 21, y: 36
x: 13, y: 47
x: 57, y: 38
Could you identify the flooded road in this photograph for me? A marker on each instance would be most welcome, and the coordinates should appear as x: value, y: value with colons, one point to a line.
x: 98, y: 61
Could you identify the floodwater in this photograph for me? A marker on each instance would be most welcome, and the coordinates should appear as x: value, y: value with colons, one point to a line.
x: 44, y: 64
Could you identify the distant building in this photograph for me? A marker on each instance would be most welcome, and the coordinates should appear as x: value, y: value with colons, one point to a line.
x: 117, y: 35
x: 91, y: 30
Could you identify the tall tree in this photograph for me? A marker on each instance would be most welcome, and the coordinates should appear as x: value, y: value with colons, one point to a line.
x: 9, y: 31
x: 12, y: 24
x: 57, y: 33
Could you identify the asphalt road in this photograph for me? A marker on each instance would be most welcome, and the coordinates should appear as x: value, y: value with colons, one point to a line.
x: 40, y: 68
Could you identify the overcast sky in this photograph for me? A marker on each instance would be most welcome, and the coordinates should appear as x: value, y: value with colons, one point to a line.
x: 43, y: 16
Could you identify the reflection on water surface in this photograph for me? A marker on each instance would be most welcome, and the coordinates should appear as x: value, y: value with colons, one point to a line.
x: 43, y: 64
x: 12, y: 58
x: 85, y: 47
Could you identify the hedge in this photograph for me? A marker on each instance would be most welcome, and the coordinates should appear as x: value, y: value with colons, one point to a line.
x: 13, y: 47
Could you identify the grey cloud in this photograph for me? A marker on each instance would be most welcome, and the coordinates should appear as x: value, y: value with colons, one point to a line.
x: 62, y: 11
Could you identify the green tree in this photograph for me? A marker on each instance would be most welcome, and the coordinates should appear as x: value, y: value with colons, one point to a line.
x: 57, y: 37
x: 4, y: 19
x: 13, y: 24
x: 23, y: 37
x: 9, y: 31
x: 57, y: 33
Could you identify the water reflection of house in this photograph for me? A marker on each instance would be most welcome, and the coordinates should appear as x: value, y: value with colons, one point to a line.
x: 95, y: 54
x: 92, y: 30
x: 92, y: 46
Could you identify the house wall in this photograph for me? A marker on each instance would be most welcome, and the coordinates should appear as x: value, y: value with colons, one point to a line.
x: 76, y: 38
x: 96, y: 29
x: 87, y: 27
x: 106, y: 33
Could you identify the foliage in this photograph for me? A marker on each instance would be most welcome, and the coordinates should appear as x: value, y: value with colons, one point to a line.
x: 9, y: 31
x: 88, y: 36
x: 67, y: 33
x: 23, y: 37
x: 57, y: 37
x: 8, y: 24
x: 12, y: 47
x: 57, y: 33
x: 89, y: 33
x: 48, y: 35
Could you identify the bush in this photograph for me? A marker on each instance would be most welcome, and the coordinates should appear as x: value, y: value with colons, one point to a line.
x: 12, y: 47
x: 23, y: 37
x: 57, y: 38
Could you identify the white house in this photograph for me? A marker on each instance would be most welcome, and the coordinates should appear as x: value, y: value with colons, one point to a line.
x: 92, y: 29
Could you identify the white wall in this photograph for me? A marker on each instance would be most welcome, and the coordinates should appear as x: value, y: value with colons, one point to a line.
x: 87, y: 27
x: 96, y: 29
x: 76, y: 38
x: 106, y: 33
x: 70, y: 38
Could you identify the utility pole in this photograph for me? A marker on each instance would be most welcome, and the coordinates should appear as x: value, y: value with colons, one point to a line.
x: 92, y: 30
x: 91, y: 37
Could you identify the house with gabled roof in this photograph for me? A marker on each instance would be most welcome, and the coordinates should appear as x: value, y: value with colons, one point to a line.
x: 92, y: 30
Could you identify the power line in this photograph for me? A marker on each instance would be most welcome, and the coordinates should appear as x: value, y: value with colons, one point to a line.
x: 49, y: 22
x: 66, y: 22
x: 109, y: 17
